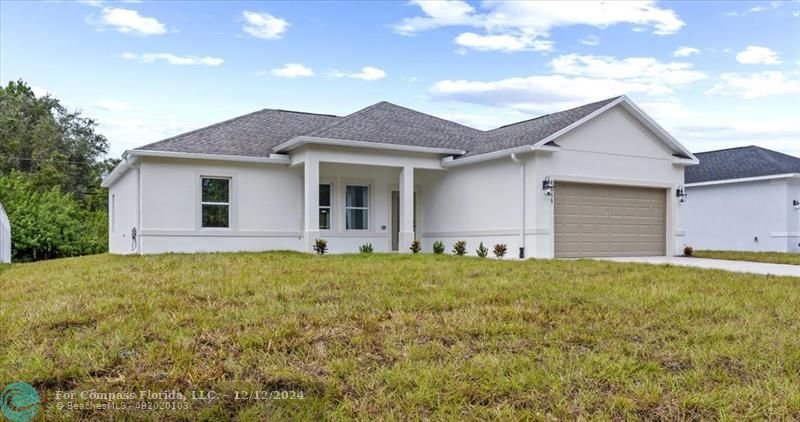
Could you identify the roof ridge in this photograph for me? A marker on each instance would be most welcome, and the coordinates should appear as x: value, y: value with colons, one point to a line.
x: 302, y: 112
x: 431, y: 115
x: 555, y: 112
x: 343, y: 119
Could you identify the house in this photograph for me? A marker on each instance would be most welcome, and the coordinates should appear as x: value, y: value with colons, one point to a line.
x: 5, y: 237
x: 744, y: 199
x: 596, y: 180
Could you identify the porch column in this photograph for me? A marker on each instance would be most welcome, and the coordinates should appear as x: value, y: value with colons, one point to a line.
x: 406, y: 232
x: 311, y: 202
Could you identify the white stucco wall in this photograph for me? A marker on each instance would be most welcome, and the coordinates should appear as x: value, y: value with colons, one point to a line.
x: 123, y: 212
x: 613, y: 149
x: 745, y: 216
x: 475, y: 203
x: 265, y: 206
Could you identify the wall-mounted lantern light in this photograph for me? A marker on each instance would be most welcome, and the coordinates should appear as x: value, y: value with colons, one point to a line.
x: 796, y: 204
x: 681, y: 194
x: 547, y: 186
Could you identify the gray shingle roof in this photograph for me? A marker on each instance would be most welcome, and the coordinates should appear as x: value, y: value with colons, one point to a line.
x: 529, y: 132
x: 388, y: 123
x: 737, y: 163
x: 251, y: 135
x: 256, y: 134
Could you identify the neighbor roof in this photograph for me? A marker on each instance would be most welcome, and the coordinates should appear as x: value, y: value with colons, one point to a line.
x: 258, y: 134
x: 739, y: 163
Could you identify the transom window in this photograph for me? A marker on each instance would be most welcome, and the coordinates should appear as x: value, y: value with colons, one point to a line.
x: 215, y: 202
x: 325, y: 209
x: 356, y: 207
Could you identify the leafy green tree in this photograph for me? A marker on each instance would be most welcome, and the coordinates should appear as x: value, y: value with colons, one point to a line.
x: 51, y: 167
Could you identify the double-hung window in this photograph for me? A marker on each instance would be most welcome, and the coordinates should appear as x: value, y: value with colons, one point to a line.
x: 356, y: 207
x: 325, y: 214
x: 215, y: 202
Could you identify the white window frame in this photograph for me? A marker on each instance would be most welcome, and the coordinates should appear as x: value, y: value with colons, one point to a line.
x: 228, y: 204
x: 331, y: 222
x: 367, y: 207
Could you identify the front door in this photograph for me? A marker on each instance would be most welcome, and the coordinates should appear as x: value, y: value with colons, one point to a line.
x: 396, y: 219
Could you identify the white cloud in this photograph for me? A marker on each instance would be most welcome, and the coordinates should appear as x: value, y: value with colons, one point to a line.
x: 754, y: 54
x: 576, y: 80
x: 293, y: 70
x: 505, y: 43
x: 591, y: 40
x: 541, y: 93
x: 41, y: 92
x: 174, y: 59
x: 129, y: 22
x: 515, y: 25
x: 367, y: 73
x: 755, y: 85
x: 756, y: 9
x: 112, y: 105
x: 685, y: 51
x: 264, y: 25
x: 637, y: 69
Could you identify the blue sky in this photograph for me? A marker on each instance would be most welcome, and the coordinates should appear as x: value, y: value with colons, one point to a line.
x: 714, y: 74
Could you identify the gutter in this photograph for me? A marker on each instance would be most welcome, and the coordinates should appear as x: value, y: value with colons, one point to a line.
x: 130, y: 157
x: 522, y: 207
x: 745, y: 179
x: 453, y: 162
x: 304, y: 140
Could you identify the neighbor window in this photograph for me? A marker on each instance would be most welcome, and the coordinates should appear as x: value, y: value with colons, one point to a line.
x: 324, y: 207
x: 215, y: 202
x: 356, y: 207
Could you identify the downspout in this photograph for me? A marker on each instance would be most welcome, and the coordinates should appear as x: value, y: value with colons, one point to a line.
x: 522, y: 207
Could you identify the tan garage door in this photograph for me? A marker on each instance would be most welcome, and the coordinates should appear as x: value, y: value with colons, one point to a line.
x: 602, y: 220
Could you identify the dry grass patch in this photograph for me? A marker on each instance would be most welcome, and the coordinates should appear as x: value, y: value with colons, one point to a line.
x: 401, y: 336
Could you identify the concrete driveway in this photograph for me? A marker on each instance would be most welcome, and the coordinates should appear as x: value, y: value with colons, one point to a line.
x: 719, y: 264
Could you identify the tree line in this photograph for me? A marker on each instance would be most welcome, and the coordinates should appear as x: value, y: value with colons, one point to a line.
x: 51, y: 166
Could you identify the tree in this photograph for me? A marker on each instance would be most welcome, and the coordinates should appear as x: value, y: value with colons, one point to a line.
x: 50, y: 174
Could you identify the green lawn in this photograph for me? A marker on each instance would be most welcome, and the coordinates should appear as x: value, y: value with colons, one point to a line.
x: 771, y: 257
x: 404, y: 337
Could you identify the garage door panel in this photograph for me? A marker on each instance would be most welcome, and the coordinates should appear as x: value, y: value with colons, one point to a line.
x: 601, y: 220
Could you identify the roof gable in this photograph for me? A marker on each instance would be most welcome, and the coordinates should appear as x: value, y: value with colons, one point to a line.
x: 739, y: 163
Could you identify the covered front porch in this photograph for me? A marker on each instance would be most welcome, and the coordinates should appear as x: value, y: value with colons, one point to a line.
x: 349, y: 201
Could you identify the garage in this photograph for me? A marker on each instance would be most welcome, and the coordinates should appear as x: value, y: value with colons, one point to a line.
x: 603, y: 220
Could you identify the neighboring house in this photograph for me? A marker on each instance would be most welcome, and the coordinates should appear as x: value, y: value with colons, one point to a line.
x: 5, y: 237
x: 744, y: 199
x: 597, y: 180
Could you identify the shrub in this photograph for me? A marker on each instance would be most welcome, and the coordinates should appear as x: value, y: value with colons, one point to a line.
x: 416, y: 246
x: 460, y: 248
x: 438, y: 247
x: 688, y: 251
x: 321, y: 246
x: 500, y: 250
x: 482, y: 251
x: 365, y: 248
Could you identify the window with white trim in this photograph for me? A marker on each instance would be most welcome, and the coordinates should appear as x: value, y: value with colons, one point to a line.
x: 325, y: 210
x: 215, y: 202
x: 356, y: 207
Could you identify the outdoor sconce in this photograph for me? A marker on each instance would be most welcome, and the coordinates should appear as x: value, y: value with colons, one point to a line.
x: 796, y: 204
x: 681, y: 194
x: 547, y: 186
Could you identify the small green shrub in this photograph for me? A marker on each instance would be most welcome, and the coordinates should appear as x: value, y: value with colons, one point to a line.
x: 438, y: 247
x: 500, y: 250
x: 688, y: 251
x: 416, y: 246
x: 365, y: 248
x: 321, y: 246
x: 482, y: 251
x: 460, y: 248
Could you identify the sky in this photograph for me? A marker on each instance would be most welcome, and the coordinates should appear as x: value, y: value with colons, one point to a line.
x: 714, y: 74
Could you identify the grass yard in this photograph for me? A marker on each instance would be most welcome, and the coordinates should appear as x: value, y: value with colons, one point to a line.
x: 404, y: 337
x: 771, y: 257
